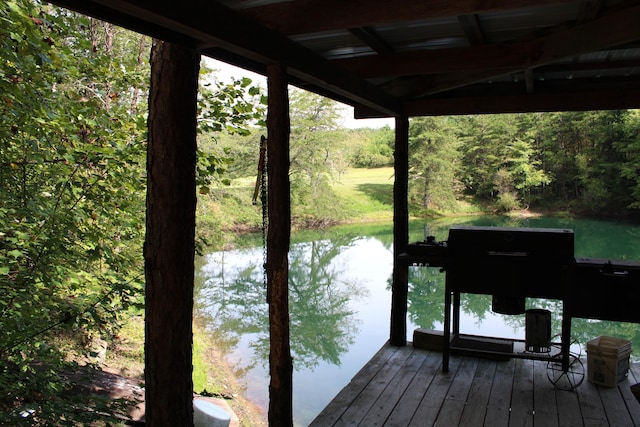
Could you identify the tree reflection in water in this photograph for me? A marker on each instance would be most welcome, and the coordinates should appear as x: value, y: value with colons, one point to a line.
x: 322, y: 321
x: 231, y: 298
x: 330, y: 278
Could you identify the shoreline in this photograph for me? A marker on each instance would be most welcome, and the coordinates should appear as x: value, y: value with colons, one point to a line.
x: 124, y: 360
x: 249, y: 413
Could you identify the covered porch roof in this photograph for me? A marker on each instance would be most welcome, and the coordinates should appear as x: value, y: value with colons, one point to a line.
x: 412, y: 57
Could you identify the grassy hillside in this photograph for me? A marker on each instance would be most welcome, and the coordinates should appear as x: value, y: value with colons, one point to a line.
x: 368, y: 193
x: 365, y: 194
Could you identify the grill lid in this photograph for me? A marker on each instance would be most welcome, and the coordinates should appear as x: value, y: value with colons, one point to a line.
x: 548, y: 244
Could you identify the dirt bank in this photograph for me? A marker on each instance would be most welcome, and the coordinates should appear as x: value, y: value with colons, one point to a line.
x: 124, y: 365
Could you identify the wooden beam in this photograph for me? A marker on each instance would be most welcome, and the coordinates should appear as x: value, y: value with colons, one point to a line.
x: 437, y: 61
x: 590, y: 10
x: 310, y: 16
x: 278, y: 239
x: 587, y: 66
x: 608, y: 31
x: 424, y: 86
x: 400, y: 275
x: 528, y: 79
x: 211, y: 24
x: 566, y: 101
x: 125, y: 20
x: 431, y: 84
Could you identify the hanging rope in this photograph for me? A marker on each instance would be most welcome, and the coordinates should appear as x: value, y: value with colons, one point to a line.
x: 261, y: 186
x: 262, y: 170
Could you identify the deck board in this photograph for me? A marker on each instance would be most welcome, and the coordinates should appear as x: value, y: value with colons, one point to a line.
x: 476, y: 407
x: 615, y: 407
x: 457, y: 397
x: 364, y: 401
x: 591, y: 404
x: 405, y: 386
x: 417, y: 388
x: 522, y: 404
x: 544, y: 398
x: 344, y: 399
x: 500, y: 396
x: 394, y: 391
x: 569, y: 412
x: 427, y: 413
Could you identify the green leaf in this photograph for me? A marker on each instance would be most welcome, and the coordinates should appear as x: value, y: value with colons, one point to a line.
x: 14, y: 7
x: 15, y: 253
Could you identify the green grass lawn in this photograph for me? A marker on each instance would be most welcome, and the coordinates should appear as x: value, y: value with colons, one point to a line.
x: 368, y: 193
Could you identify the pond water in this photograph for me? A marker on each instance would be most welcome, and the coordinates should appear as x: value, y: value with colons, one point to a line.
x: 340, y: 301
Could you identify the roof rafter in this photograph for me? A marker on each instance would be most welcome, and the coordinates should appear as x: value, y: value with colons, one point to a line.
x: 472, y: 28
x: 613, y: 99
x: 582, y: 101
x: 591, y: 36
x: 518, y: 48
x: 372, y: 39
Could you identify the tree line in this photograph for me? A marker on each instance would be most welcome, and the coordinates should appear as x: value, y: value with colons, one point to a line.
x: 581, y: 162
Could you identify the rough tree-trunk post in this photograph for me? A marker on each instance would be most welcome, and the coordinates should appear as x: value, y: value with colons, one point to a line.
x: 279, y: 203
x: 400, y: 286
x: 169, y: 243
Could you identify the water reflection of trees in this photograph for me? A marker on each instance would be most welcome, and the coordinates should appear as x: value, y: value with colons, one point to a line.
x: 426, y: 310
x: 426, y: 298
x: 322, y: 323
x: 230, y: 298
x: 233, y: 298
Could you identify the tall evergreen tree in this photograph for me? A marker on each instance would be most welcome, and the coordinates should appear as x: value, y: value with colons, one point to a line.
x: 501, y: 158
x: 433, y: 163
x: 590, y: 156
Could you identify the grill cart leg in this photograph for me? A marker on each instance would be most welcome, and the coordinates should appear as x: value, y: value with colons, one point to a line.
x: 446, y: 336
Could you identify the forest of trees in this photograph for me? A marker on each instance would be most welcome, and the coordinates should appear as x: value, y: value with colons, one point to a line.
x: 73, y: 102
x: 580, y: 162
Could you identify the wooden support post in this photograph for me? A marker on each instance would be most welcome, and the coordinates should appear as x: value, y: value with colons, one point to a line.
x: 169, y: 245
x: 400, y: 285
x: 278, y: 236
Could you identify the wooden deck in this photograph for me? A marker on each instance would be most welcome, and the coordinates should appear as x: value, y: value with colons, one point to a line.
x: 404, y: 386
